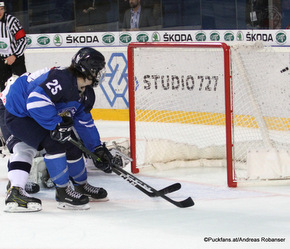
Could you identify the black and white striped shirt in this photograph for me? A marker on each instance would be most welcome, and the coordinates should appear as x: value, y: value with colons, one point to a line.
x: 11, y: 28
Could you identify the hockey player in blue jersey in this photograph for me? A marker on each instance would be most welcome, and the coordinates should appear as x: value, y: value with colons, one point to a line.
x: 42, y: 109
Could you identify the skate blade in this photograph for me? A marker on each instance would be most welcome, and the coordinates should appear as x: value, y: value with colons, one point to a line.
x: 98, y: 200
x: 13, y: 207
x: 67, y: 206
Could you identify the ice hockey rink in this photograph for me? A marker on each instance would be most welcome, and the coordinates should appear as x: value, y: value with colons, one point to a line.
x: 244, y: 217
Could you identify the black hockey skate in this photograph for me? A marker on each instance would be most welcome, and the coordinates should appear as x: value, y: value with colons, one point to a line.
x: 18, y: 201
x: 94, y: 193
x: 30, y: 187
x: 70, y: 199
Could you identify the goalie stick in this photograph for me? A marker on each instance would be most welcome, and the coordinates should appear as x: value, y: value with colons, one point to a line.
x: 137, y: 183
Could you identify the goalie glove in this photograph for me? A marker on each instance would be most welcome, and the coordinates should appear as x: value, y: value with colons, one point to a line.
x: 120, y: 150
x: 105, y: 158
x: 117, y: 160
x: 120, y: 159
x: 63, y: 130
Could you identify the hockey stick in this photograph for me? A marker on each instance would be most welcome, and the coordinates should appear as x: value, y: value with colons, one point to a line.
x: 169, y: 189
x: 137, y: 183
x: 166, y: 190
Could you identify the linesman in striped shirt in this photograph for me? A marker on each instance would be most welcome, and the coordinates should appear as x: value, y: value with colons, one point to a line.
x: 12, y: 45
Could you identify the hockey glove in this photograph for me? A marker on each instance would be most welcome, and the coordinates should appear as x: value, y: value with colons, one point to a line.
x: 63, y: 130
x: 105, y: 158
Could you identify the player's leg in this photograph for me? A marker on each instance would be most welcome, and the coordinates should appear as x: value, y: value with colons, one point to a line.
x: 55, y: 159
x: 18, y: 200
x: 78, y: 174
x: 11, y: 141
x: 56, y: 164
x: 19, y: 165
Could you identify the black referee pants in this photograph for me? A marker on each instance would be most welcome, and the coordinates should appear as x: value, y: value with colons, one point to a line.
x: 6, y: 71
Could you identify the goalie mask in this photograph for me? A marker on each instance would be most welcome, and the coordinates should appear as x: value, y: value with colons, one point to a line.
x: 90, y: 63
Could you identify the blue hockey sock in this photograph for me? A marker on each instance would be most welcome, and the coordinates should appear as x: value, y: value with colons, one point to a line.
x: 57, y: 169
x: 77, y: 170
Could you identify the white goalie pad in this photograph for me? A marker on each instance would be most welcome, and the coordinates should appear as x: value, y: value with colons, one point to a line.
x: 173, y: 151
x: 37, y: 169
x: 39, y: 174
x: 268, y: 163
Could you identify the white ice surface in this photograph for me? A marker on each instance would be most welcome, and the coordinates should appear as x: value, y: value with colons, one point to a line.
x: 132, y: 220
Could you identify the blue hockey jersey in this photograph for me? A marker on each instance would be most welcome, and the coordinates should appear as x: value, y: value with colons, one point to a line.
x: 47, y: 95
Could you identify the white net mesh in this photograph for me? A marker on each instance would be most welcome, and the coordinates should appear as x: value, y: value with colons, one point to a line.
x: 180, y: 108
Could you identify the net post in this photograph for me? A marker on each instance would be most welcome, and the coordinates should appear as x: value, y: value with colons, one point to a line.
x: 228, y: 116
x: 131, y: 92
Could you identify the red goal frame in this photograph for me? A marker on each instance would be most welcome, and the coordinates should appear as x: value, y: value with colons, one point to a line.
x: 228, y: 99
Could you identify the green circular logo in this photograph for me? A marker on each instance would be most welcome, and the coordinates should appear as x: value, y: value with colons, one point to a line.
x: 281, y: 37
x: 43, y: 40
x: 125, y: 38
x: 3, y: 45
x: 200, y: 36
x: 214, y: 36
x: 108, y: 39
x: 229, y: 36
x: 142, y: 37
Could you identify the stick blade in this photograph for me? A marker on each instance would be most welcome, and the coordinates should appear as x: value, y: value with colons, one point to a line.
x: 172, y: 188
x: 185, y: 203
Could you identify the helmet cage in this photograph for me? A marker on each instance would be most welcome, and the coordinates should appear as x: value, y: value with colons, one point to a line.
x: 91, y: 64
x: 98, y: 78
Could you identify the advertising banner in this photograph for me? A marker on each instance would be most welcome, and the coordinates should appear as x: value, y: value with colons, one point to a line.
x: 105, y: 39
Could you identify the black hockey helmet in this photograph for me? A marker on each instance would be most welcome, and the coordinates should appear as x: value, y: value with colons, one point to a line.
x: 91, y: 63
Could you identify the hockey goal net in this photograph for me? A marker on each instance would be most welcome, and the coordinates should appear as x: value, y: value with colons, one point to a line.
x: 209, y: 104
